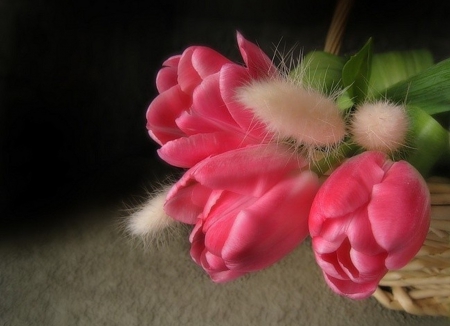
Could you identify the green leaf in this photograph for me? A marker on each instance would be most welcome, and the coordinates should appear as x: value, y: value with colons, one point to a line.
x: 320, y: 70
x: 429, y: 141
x: 344, y: 102
x: 429, y: 90
x: 356, y: 73
x: 392, y: 67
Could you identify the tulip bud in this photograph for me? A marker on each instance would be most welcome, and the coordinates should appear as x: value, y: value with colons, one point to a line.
x: 250, y: 208
x: 196, y: 115
x: 371, y: 215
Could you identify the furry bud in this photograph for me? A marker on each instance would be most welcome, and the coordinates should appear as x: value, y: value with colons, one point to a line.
x: 293, y: 112
x: 380, y: 126
x: 150, y: 220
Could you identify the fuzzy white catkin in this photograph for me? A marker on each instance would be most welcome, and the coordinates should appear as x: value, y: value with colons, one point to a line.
x: 291, y: 111
x: 150, y: 219
x: 381, y: 126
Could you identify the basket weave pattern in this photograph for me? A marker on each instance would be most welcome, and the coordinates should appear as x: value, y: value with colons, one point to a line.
x: 423, y: 286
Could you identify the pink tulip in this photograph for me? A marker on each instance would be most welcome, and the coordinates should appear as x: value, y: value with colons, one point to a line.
x: 250, y: 208
x: 196, y: 114
x: 370, y: 216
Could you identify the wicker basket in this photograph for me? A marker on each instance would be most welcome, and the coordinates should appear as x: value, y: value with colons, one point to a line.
x: 423, y: 286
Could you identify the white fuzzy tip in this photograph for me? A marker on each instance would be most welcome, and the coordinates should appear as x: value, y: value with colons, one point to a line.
x: 292, y: 112
x: 150, y: 219
x: 380, y: 126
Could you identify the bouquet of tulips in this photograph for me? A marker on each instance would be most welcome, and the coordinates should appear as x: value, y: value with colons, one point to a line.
x: 336, y: 148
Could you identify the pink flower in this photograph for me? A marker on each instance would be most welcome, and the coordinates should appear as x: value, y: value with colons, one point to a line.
x: 250, y: 208
x: 196, y: 114
x: 371, y: 215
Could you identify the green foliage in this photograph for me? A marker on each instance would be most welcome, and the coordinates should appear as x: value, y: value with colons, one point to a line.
x: 321, y: 71
x: 356, y: 73
x: 429, y: 141
x: 429, y: 89
x: 392, y: 67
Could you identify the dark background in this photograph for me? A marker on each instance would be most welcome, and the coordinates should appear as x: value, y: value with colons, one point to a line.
x: 77, y: 77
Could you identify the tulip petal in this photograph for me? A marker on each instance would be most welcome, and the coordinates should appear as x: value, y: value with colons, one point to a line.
x: 211, y: 262
x: 207, y: 61
x: 225, y: 276
x: 345, y: 262
x: 192, y: 124
x: 351, y: 289
x: 257, y: 62
x: 360, y: 233
x: 231, y: 78
x: 172, y: 61
x: 258, y: 238
x: 222, y: 207
x: 188, y: 77
x: 329, y: 264
x: 166, y: 78
x: 208, y: 103
x: 163, y: 111
x: 350, y: 185
x: 370, y: 267
x: 250, y: 171
x: 323, y: 246
x: 334, y: 230
x: 221, y: 210
x: 399, y: 213
x: 185, y: 152
x: 196, y: 238
x: 186, y: 200
x: 168, y: 75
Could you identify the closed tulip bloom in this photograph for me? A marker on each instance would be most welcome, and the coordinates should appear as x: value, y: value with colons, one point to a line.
x: 371, y: 215
x: 195, y: 114
x: 250, y: 208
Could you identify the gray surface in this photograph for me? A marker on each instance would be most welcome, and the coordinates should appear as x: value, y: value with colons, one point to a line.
x: 83, y: 270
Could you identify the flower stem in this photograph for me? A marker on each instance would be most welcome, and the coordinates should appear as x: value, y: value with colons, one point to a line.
x: 339, y: 21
